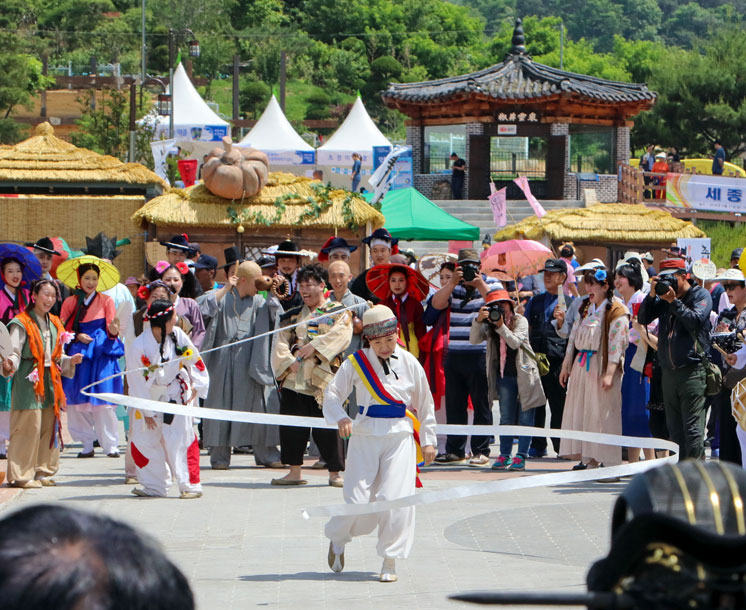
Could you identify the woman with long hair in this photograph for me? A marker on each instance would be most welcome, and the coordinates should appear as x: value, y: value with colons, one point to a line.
x: 635, y: 386
x: 14, y: 297
x: 164, y: 446
x: 184, y: 285
x: 38, y: 358
x: 91, y: 317
x: 592, y: 372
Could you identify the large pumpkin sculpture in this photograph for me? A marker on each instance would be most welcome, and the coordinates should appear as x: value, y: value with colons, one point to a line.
x: 235, y: 173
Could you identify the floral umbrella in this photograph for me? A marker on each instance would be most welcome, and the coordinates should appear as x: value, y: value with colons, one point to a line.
x: 516, y: 257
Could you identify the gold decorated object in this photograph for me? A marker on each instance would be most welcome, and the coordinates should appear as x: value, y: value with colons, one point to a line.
x: 664, y: 555
x: 738, y: 403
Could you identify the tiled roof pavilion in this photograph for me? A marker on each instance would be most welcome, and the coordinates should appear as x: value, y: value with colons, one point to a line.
x: 520, y: 80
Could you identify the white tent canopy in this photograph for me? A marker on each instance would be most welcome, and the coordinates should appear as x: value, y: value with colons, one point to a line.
x: 194, y: 120
x: 357, y: 134
x: 274, y: 135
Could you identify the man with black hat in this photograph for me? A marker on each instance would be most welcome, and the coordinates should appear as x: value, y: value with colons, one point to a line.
x: 336, y: 249
x: 178, y: 249
x: 544, y: 316
x: 683, y: 310
x: 382, y: 246
x: 204, y: 271
x: 44, y: 251
x: 288, y: 258
x: 465, y: 364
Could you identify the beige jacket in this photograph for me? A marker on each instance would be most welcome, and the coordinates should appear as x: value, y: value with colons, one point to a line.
x: 330, y: 338
x: 530, y: 390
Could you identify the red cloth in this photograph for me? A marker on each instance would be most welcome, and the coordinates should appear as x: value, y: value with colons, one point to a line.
x: 187, y: 170
x: 409, y: 314
x: 433, y: 347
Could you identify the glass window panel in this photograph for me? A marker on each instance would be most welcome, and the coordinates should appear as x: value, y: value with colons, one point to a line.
x: 440, y: 142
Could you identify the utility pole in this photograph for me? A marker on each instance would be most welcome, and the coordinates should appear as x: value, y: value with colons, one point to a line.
x: 562, y: 45
x: 235, y: 87
x: 283, y: 75
x: 133, y: 124
x: 143, y: 53
x: 171, y: 83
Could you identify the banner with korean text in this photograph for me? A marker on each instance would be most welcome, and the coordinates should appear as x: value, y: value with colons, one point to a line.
x: 702, y: 192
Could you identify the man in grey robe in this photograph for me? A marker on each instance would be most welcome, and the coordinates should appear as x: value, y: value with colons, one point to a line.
x: 241, y: 376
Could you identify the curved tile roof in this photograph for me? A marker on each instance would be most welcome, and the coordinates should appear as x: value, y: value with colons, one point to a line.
x: 518, y: 78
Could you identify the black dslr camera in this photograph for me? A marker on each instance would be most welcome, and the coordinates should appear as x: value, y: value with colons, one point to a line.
x: 470, y: 271
x: 665, y: 282
x: 495, y: 312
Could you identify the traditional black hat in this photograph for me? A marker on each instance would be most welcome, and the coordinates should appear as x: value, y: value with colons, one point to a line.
x: 231, y: 256
x: 266, y: 261
x: 179, y: 242
x: 385, y: 236
x: 286, y: 248
x: 334, y: 243
x: 102, y: 246
x: 45, y: 245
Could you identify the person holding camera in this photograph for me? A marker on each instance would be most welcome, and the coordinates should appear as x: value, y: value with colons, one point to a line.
x: 683, y: 310
x: 512, y: 373
x: 546, y: 318
x: 464, y: 366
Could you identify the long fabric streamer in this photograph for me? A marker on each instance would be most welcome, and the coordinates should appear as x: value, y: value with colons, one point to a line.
x: 429, y: 497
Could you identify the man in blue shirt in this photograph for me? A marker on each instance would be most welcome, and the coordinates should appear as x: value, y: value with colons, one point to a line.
x: 465, y: 364
x: 543, y: 317
x: 718, y: 161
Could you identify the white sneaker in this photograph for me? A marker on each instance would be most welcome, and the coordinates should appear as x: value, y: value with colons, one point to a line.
x: 336, y: 560
x: 388, y: 570
x: 479, y: 460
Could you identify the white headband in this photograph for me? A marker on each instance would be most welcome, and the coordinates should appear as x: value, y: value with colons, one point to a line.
x: 336, y: 250
x: 379, y: 242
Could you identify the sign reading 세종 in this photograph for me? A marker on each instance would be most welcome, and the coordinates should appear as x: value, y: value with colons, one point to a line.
x: 702, y: 192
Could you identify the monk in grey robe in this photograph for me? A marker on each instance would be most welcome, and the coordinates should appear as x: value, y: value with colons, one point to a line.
x: 242, y: 375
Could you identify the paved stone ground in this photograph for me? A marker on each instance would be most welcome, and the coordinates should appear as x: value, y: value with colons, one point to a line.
x: 245, y: 544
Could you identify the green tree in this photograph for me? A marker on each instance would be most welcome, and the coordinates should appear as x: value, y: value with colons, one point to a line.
x: 318, y: 106
x: 702, y: 97
x: 253, y: 96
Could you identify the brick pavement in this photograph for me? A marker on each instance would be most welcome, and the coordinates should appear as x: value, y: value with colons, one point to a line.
x: 245, y: 544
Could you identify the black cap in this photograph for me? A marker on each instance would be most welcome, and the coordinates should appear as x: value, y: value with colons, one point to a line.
x: 736, y: 253
x: 265, y: 262
x: 554, y: 265
x: 195, y: 247
x: 567, y: 251
x: 206, y: 261
x: 287, y: 249
x: 45, y: 245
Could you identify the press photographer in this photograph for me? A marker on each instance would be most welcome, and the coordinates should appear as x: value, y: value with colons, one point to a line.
x: 683, y: 311
x: 512, y: 372
x: 462, y: 297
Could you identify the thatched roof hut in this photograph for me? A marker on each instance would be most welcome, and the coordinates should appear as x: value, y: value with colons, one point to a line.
x: 50, y: 187
x: 289, y: 206
x: 603, y: 230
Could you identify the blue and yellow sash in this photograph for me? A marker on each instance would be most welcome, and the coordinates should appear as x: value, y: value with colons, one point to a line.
x: 389, y: 405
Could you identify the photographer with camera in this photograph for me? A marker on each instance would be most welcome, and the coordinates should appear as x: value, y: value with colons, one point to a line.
x: 512, y: 372
x: 462, y: 298
x: 683, y: 311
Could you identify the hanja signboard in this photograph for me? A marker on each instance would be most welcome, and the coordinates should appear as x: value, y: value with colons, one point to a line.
x: 702, y: 192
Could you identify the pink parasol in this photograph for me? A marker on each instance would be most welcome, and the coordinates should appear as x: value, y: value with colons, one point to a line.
x: 516, y: 257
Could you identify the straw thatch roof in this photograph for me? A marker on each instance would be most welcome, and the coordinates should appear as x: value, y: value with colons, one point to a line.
x: 603, y: 223
x: 287, y: 201
x: 46, y: 158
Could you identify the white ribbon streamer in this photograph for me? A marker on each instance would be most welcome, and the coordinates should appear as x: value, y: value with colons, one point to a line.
x: 430, y: 497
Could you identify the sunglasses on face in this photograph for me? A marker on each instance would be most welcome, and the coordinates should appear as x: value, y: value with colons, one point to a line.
x: 733, y: 285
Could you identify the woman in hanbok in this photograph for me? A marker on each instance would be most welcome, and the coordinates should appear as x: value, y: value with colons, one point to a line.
x: 91, y: 317
x: 383, y: 453
x: 165, y: 446
x: 635, y: 386
x: 183, y: 284
x: 592, y: 371
x: 37, y: 361
x: 16, y: 274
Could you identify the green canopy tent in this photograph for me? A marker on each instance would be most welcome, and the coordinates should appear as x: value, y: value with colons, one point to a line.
x: 411, y: 215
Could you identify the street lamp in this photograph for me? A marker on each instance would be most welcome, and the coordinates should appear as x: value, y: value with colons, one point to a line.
x: 164, y: 107
x: 193, y: 52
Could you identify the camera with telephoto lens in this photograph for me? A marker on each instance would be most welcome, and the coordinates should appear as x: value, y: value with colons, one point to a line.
x: 470, y: 271
x: 495, y: 312
x: 664, y: 283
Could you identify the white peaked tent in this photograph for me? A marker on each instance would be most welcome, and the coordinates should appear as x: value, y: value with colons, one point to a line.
x: 357, y: 134
x: 194, y: 120
x: 274, y: 135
